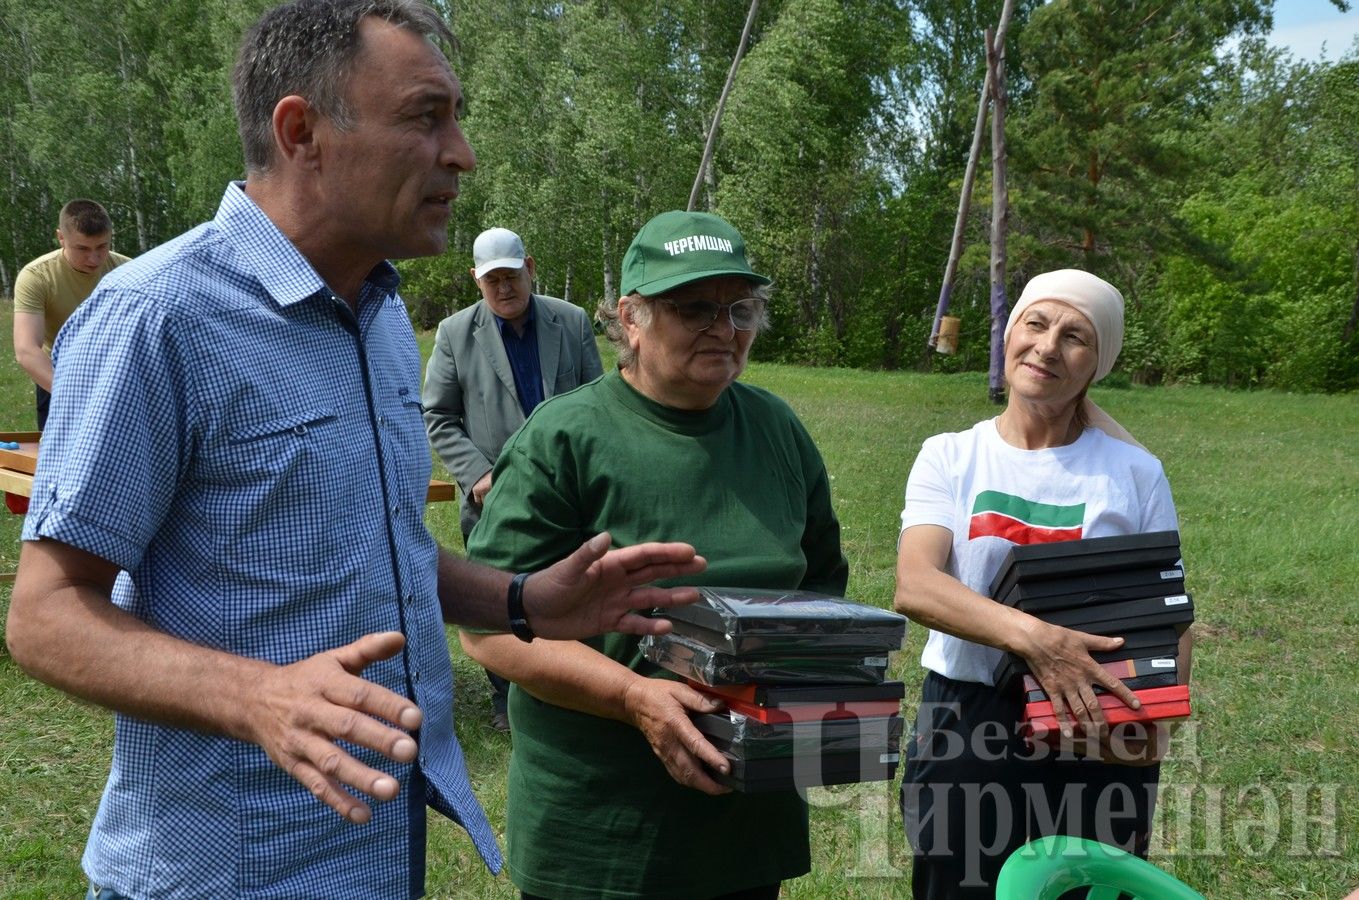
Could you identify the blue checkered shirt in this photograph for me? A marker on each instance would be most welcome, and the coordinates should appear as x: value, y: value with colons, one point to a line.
x: 253, y: 456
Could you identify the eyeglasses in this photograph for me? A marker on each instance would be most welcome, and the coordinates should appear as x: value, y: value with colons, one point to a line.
x: 699, y: 315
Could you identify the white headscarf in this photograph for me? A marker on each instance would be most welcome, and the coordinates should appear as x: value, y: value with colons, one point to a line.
x: 1101, y: 303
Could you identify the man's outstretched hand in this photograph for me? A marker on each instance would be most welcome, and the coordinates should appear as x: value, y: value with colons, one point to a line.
x: 304, y: 709
x: 596, y: 590
x: 64, y: 629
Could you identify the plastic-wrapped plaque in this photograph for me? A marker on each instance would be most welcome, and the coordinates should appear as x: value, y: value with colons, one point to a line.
x: 705, y: 664
x: 826, y: 711
x: 749, y: 621
x: 781, y: 694
x: 799, y: 773
x: 747, y: 738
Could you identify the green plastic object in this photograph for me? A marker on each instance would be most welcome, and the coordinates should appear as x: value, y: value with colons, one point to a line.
x: 1049, y: 867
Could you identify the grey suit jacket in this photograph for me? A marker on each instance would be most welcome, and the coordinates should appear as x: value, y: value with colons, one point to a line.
x: 471, y: 407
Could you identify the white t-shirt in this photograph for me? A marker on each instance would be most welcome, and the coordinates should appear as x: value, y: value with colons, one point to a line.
x: 992, y: 496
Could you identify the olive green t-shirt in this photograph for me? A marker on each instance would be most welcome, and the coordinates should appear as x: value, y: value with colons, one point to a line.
x: 592, y: 812
x: 49, y: 285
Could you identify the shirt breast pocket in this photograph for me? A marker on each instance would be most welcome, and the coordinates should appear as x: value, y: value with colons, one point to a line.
x: 408, y: 433
x: 289, y: 444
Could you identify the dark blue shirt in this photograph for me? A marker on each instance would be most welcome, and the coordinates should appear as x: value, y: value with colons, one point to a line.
x: 522, y: 349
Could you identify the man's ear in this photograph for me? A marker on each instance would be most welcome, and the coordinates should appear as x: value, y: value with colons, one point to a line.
x: 294, y: 124
x: 528, y: 264
x: 61, y: 239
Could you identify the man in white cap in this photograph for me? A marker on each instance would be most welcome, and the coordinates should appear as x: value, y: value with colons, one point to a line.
x: 492, y: 363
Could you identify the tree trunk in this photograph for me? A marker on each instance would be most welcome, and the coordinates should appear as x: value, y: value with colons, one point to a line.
x: 815, y: 281
x: 709, y: 184
x: 133, y: 173
x: 1353, y: 323
x: 1000, y: 214
x: 1092, y: 175
x: 13, y: 221
x: 610, y: 294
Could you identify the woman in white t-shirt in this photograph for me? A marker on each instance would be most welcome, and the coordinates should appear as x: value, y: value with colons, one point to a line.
x: 1051, y: 466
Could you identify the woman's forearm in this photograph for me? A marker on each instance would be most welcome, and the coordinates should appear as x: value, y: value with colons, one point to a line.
x: 569, y: 674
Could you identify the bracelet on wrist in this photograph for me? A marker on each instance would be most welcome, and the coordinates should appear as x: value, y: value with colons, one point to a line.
x: 519, y: 624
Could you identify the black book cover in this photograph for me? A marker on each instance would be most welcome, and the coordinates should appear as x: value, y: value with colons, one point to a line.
x: 1031, y: 562
x: 758, y: 776
x: 756, y: 645
x: 1160, y: 641
x: 1061, y: 593
x: 1082, y: 616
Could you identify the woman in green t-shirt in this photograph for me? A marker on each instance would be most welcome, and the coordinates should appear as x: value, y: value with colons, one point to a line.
x: 610, y: 792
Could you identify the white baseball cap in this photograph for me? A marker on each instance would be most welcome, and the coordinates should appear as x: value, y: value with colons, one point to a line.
x: 497, y: 248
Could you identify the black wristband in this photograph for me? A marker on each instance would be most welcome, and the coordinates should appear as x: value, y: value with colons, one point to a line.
x: 519, y: 625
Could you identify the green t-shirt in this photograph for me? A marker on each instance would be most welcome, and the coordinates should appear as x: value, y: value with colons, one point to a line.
x: 592, y: 811
x: 49, y: 285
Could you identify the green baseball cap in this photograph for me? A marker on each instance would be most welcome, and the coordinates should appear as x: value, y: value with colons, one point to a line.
x: 678, y: 247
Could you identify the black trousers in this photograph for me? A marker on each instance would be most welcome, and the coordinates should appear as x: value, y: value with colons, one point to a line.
x: 43, y: 400
x: 973, y: 792
x: 500, y: 687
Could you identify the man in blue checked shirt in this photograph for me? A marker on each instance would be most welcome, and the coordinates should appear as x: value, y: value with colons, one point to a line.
x: 226, y: 542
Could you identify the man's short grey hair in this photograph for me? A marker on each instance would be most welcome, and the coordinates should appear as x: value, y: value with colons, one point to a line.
x: 607, y: 315
x: 308, y: 48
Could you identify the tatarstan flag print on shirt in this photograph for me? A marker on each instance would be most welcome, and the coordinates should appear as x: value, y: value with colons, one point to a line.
x: 996, y: 514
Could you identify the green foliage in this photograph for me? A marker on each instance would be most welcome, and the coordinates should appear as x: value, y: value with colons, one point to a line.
x: 1214, y: 331
x: 1267, y: 301
x: 794, y: 172
x: 599, y: 128
x: 1098, y: 146
x: 1219, y: 190
x: 435, y: 288
x: 124, y: 102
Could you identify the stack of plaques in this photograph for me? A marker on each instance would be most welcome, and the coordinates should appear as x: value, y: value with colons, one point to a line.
x: 802, y: 677
x: 1129, y: 586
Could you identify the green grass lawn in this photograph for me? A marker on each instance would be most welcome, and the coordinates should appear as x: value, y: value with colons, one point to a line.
x: 1260, y: 798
